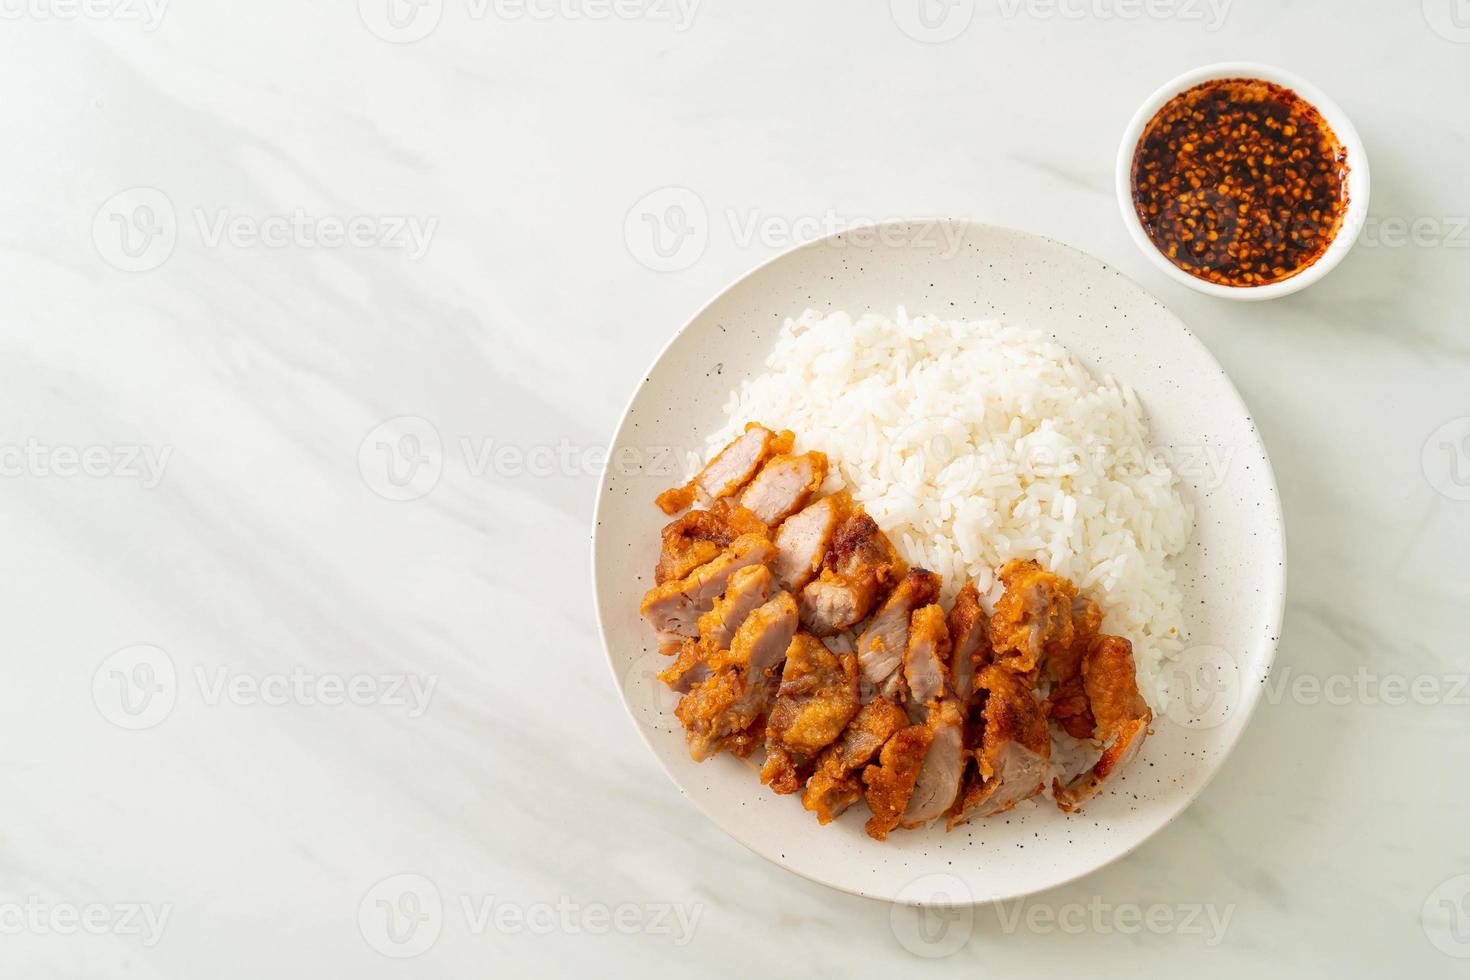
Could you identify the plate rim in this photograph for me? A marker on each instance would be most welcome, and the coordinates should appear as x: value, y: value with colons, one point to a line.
x: 1252, y: 692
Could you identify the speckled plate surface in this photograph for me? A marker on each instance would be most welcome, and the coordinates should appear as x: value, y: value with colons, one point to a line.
x: 1232, y: 574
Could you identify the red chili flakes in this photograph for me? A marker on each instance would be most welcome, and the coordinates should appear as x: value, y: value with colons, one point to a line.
x: 1240, y: 182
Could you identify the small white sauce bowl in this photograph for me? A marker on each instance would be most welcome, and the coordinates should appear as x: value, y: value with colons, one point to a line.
x: 1347, y: 135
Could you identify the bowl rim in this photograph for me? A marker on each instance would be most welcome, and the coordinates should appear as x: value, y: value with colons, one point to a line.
x: 1252, y: 694
x: 1358, y: 177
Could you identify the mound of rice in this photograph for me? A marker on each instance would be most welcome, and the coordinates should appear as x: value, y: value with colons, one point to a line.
x: 972, y: 443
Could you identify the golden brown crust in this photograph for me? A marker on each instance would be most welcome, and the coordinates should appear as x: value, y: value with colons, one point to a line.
x: 721, y: 476
x: 818, y: 696
x: 891, y: 782
x: 1033, y: 619
x: 700, y: 535
x: 836, y: 783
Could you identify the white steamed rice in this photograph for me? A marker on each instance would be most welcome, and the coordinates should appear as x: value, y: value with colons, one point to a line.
x: 972, y: 443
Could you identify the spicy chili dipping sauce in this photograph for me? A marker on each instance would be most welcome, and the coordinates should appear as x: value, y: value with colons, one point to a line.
x: 1240, y: 182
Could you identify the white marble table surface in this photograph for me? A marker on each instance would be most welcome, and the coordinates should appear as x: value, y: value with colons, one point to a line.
x: 264, y: 717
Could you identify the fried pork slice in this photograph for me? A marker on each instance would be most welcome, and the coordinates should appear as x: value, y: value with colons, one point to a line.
x: 1015, y: 744
x: 837, y: 782
x: 939, y: 665
x: 890, y: 784
x: 784, y: 485
x: 969, y: 636
x: 690, y: 667
x: 748, y: 588
x: 881, y: 646
x: 860, y: 567
x: 674, y: 607
x: 1033, y: 619
x: 926, y: 656
x: 1066, y: 703
x: 719, y: 711
x: 1122, y: 717
x: 818, y: 696
x: 700, y: 535
x: 938, y: 782
x: 730, y: 470
x: 803, y: 540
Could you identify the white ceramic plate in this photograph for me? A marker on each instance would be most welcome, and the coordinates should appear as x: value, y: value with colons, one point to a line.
x: 1233, y: 573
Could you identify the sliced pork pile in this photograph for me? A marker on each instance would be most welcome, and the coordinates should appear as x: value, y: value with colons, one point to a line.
x: 793, y: 625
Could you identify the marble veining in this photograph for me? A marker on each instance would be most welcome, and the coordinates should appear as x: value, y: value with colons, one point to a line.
x: 319, y: 320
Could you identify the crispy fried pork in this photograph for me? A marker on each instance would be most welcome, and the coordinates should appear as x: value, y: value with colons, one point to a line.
x: 803, y: 540
x: 969, y: 636
x: 882, y: 644
x: 860, y: 567
x: 730, y: 470
x: 784, y: 485
x: 938, y: 782
x: 818, y: 696
x: 1066, y: 703
x: 837, y: 782
x: 674, y: 607
x: 726, y: 705
x: 1010, y: 764
x: 747, y: 589
x: 1033, y: 619
x: 926, y: 656
x: 1121, y: 713
x: 890, y: 784
x: 699, y: 536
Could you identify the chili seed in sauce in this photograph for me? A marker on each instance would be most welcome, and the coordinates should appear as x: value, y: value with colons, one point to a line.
x: 1240, y: 182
